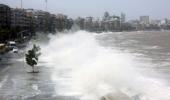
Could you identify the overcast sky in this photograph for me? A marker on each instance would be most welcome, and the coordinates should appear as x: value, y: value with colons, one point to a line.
x: 159, y: 9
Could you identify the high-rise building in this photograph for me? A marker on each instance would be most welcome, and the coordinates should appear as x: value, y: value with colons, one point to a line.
x: 88, y: 23
x: 32, y: 19
x: 155, y: 22
x: 19, y: 19
x: 5, y: 16
x: 61, y: 22
x: 144, y: 20
x: 123, y: 18
x: 42, y: 18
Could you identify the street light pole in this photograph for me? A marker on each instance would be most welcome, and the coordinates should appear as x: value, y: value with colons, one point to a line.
x: 21, y: 4
x: 46, y: 5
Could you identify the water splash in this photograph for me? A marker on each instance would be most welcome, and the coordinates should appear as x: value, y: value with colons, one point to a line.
x: 84, y: 68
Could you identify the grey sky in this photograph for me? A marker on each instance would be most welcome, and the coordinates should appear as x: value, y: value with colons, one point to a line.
x: 133, y: 8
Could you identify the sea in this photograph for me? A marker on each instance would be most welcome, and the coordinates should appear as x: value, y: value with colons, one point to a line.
x: 109, y: 65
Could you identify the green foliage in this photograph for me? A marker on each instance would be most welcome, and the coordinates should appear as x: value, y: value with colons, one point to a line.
x: 32, y: 56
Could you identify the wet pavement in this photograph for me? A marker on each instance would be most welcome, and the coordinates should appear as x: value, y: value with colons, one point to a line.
x: 17, y: 84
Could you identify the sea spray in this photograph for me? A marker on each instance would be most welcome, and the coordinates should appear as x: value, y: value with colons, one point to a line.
x: 84, y: 68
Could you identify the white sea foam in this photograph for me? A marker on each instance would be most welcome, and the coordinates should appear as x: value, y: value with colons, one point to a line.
x: 84, y: 68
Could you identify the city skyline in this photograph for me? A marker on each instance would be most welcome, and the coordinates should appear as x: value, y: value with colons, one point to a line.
x: 74, y: 8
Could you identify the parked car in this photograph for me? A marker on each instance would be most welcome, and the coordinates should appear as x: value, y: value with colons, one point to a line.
x: 15, y: 50
x: 11, y: 45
